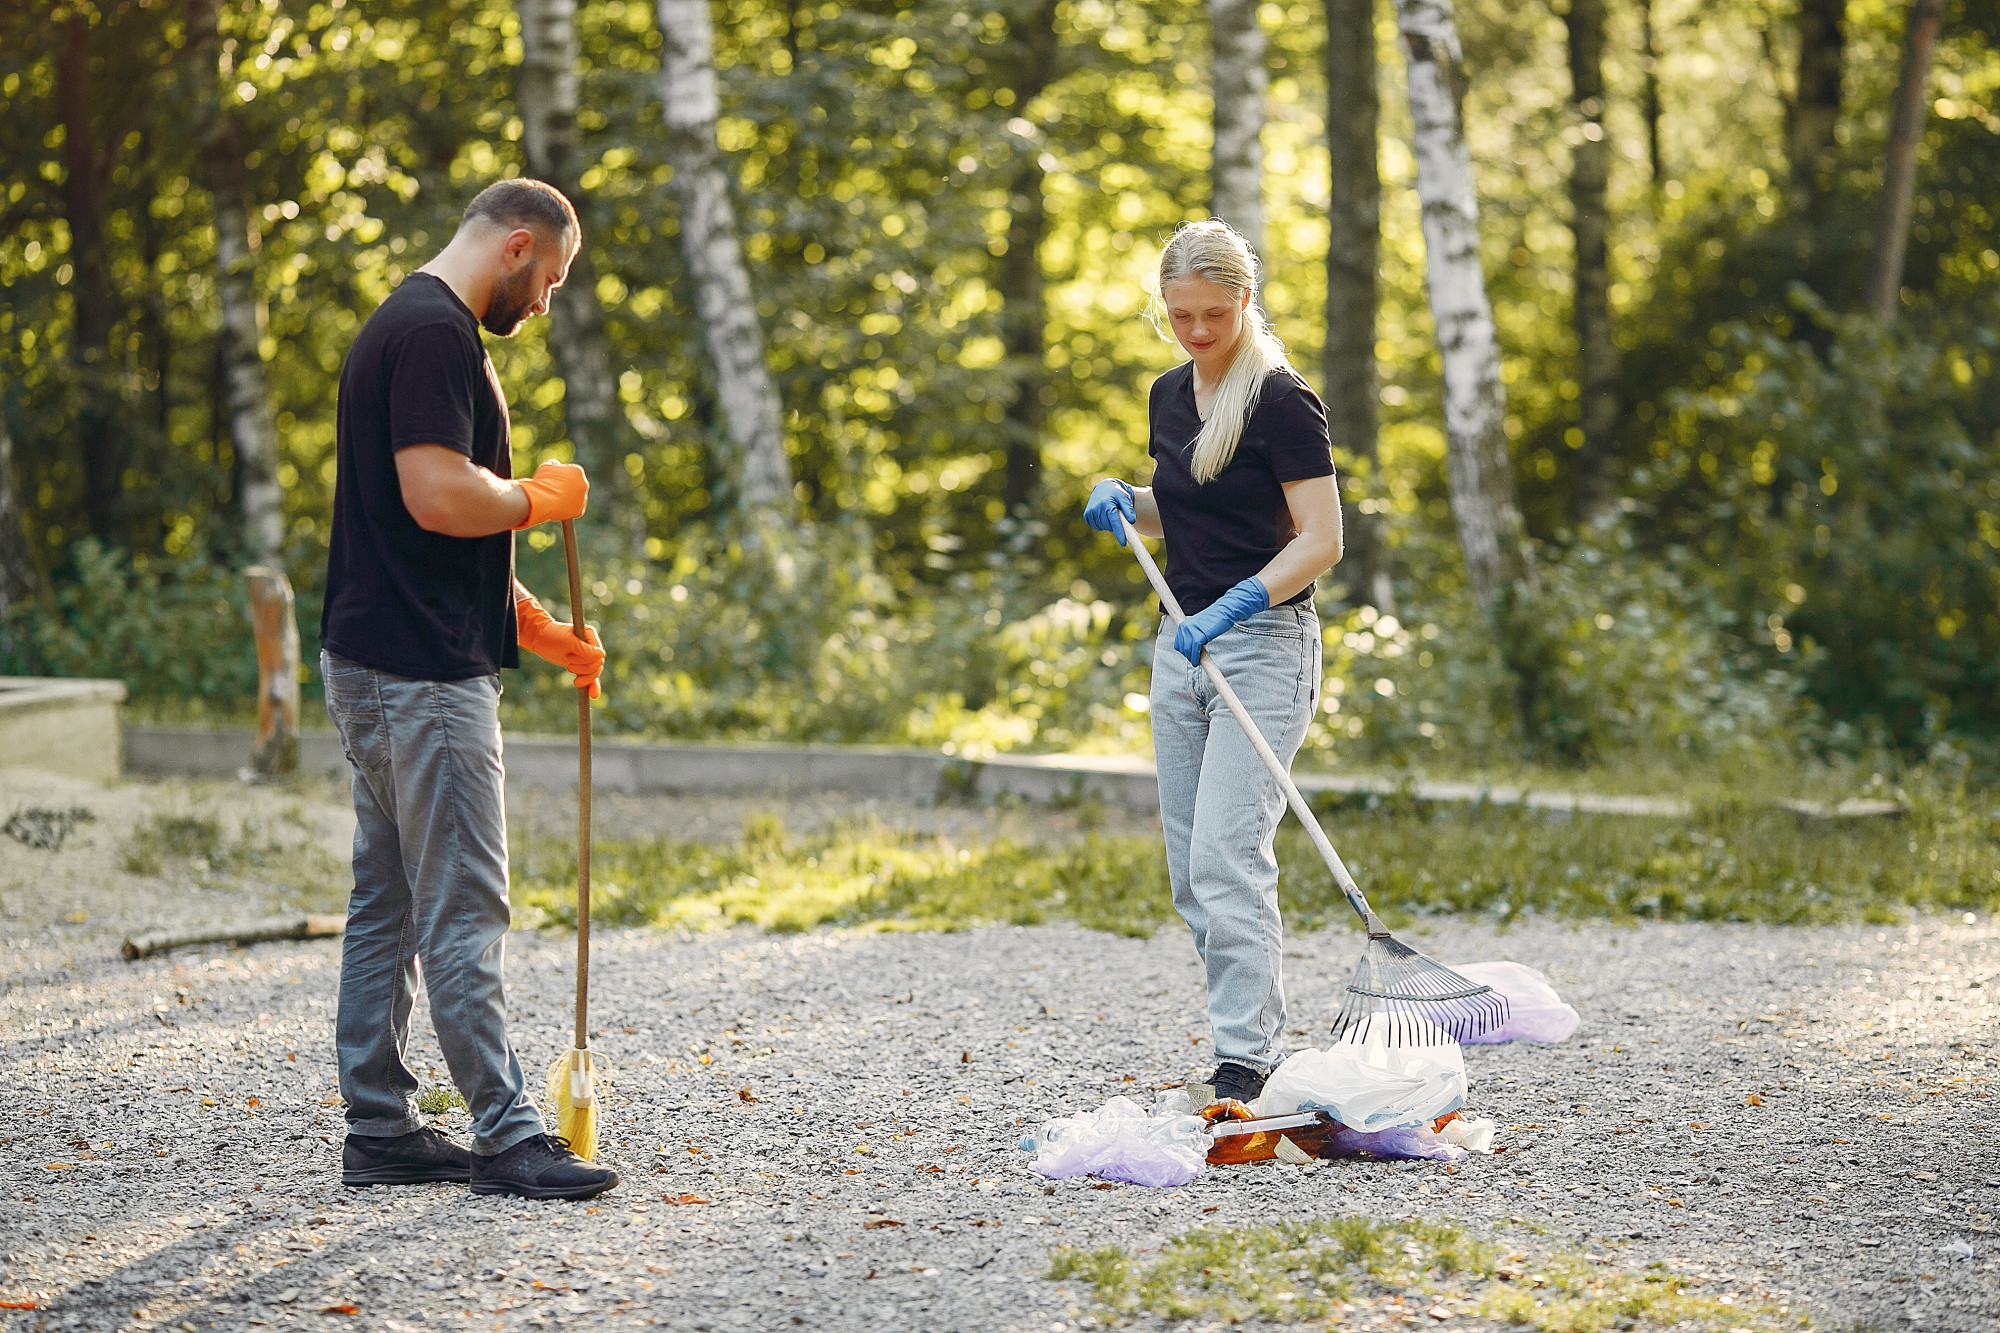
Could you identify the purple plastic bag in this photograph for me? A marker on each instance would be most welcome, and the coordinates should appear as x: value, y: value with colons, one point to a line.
x: 1121, y: 1142
x: 1419, y: 1143
x: 1534, y: 1011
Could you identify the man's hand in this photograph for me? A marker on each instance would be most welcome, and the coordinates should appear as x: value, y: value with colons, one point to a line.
x: 545, y: 636
x: 556, y: 491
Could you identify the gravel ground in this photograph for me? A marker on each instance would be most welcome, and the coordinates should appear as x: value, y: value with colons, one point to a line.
x: 169, y: 1138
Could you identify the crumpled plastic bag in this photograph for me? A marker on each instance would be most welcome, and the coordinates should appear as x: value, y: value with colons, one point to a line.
x: 1368, y: 1086
x: 1421, y: 1142
x: 1534, y: 1011
x: 1121, y: 1142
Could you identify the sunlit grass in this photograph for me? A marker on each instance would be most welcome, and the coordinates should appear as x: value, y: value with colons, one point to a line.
x: 1732, y: 860
x: 1298, y: 1272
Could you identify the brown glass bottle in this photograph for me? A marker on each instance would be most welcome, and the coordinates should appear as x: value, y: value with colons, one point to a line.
x: 1307, y: 1134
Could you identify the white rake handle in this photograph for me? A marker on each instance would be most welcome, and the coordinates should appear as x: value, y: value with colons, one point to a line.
x: 1263, y: 747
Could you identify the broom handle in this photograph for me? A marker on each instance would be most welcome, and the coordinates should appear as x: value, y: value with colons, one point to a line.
x: 1257, y: 741
x: 582, y: 805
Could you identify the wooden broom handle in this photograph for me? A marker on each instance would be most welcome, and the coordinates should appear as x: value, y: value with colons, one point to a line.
x: 582, y: 804
x: 1355, y: 899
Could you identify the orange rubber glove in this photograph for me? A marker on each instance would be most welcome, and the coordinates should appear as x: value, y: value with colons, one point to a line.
x: 556, y: 491
x: 545, y: 636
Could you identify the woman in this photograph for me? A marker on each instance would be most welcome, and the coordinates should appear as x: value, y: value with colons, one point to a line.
x: 1244, y: 493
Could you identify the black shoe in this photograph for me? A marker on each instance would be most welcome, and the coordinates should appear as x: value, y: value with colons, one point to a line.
x: 542, y: 1167
x: 422, y: 1157
x: 1236, y: 1081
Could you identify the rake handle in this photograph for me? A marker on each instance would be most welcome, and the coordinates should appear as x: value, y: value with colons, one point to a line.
x: 582, y: 803
x: 1263, y: 748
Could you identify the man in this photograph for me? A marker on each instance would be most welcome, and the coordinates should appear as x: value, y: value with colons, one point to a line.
x: 422, y: 612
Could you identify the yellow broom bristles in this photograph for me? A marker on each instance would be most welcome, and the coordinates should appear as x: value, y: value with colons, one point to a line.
x: 574, y: 1086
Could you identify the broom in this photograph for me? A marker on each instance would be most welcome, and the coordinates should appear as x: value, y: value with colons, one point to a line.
x: 1398, y: 997
x: 573, y: 1077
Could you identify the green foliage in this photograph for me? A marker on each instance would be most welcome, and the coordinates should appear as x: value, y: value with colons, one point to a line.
x: 173, y: 628
x: 1850, y: 503
x: 1299, y: 1272
x: 440, y: 1099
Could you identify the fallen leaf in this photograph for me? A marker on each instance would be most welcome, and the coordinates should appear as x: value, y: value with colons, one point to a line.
x: 253, y: 1102
x: 743, y: 1095
x: 345, y: 1307
x: 965, y: 1057
x: 874, y: 1222
x: 1753, y: 1100
x: 57, y: 1166
x: 706, y: 1058
x: 655, y: 1268
x: 684, y: 1199
x: 17, y: 1305
x: 1675, y: 1203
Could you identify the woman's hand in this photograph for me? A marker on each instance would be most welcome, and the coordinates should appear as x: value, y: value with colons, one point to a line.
x: 1244, y: 600
x: 1108, y: 499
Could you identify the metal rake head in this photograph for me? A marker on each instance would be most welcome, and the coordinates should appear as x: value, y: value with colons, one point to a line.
x: 1417, y: 1002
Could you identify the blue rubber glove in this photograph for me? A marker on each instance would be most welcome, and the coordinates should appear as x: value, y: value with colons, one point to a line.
x: 1108, y: 499
x: 1240, y: 602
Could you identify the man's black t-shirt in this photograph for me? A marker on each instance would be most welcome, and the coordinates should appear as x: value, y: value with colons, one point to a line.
x: 1224, y: 532
x: 400, y: 599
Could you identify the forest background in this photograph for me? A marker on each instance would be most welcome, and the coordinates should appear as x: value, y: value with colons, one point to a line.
x: 861, y: 315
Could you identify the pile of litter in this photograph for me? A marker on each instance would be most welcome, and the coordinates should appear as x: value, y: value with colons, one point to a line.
x: 1358, y: 1097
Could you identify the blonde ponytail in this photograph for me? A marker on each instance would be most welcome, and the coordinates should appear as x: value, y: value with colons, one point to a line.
x: 1216, y: 251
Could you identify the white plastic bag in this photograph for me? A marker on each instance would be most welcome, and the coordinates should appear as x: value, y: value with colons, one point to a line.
x: 1534, y: 1011
x: 1367, y: 1085
x: 1121, y: 1142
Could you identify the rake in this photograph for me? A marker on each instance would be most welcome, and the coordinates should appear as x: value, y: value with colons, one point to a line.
x: 1398, y: 998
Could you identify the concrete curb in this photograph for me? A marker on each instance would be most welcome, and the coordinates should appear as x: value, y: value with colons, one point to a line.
x: 881, y: 771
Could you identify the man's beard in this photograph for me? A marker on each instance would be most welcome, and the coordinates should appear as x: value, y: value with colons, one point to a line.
x: 513, y: 296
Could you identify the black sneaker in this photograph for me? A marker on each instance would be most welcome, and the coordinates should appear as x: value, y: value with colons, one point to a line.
x: 422, y: 1157
x: 541, y: 1167
x: 1239, y: 1082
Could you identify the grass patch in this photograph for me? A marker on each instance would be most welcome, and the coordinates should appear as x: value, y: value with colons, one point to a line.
x: 439, y: 1099
x: 1308, y: 1271
x: 1732, y: 860
x: 283, y: 851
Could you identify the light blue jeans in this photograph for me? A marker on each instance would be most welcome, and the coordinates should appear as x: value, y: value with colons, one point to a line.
x: 1220, y: 807
x: 430, y: 889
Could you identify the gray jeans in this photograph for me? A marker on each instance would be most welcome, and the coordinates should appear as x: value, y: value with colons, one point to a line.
x: 1221, y: 807
x: 430, y: 890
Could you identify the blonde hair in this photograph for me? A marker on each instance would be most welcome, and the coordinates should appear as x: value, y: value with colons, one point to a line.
x: 1217, y: 251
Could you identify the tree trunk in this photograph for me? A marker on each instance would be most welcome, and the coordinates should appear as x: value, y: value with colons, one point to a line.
x: 1475, y: 405
x: 1649, y: 96
x: 1023, y: 312
x: 1589, y: 188
x: 1354, y: 218
x: 17, y: 566
x: 86, y: 173
x: 547, y: 95
x: 1237, y: 173
x: 1899, y: 162
x: 253, y: 429
x: 760, y: 469
x: 1814, y: 111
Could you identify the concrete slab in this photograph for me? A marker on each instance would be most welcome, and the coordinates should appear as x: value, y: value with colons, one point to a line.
x: 55, y: 725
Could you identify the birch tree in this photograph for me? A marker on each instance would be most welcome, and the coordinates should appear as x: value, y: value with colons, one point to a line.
x: 714, y: 255
x: 1239, y: 79
x: 1353, y: 253
x: 1475, y: 404
x: 253, y: 430
x: 1589, y: 189
x: 1899, y: 161
x: 546, y: 94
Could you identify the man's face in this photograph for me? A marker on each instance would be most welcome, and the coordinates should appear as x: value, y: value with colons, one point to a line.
x: 534, y: 268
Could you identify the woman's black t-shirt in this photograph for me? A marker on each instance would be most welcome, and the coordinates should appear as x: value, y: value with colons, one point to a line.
x: 399, y: 598
x: 1224, y: 532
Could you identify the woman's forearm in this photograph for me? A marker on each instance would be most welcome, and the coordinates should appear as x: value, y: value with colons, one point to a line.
x: 1304, y: 559
x: 1148, y: 521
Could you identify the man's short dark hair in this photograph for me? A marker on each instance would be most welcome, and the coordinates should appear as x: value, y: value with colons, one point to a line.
x: 524, y: 203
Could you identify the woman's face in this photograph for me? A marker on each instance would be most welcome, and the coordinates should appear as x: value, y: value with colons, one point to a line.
x: 1206, y: 317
